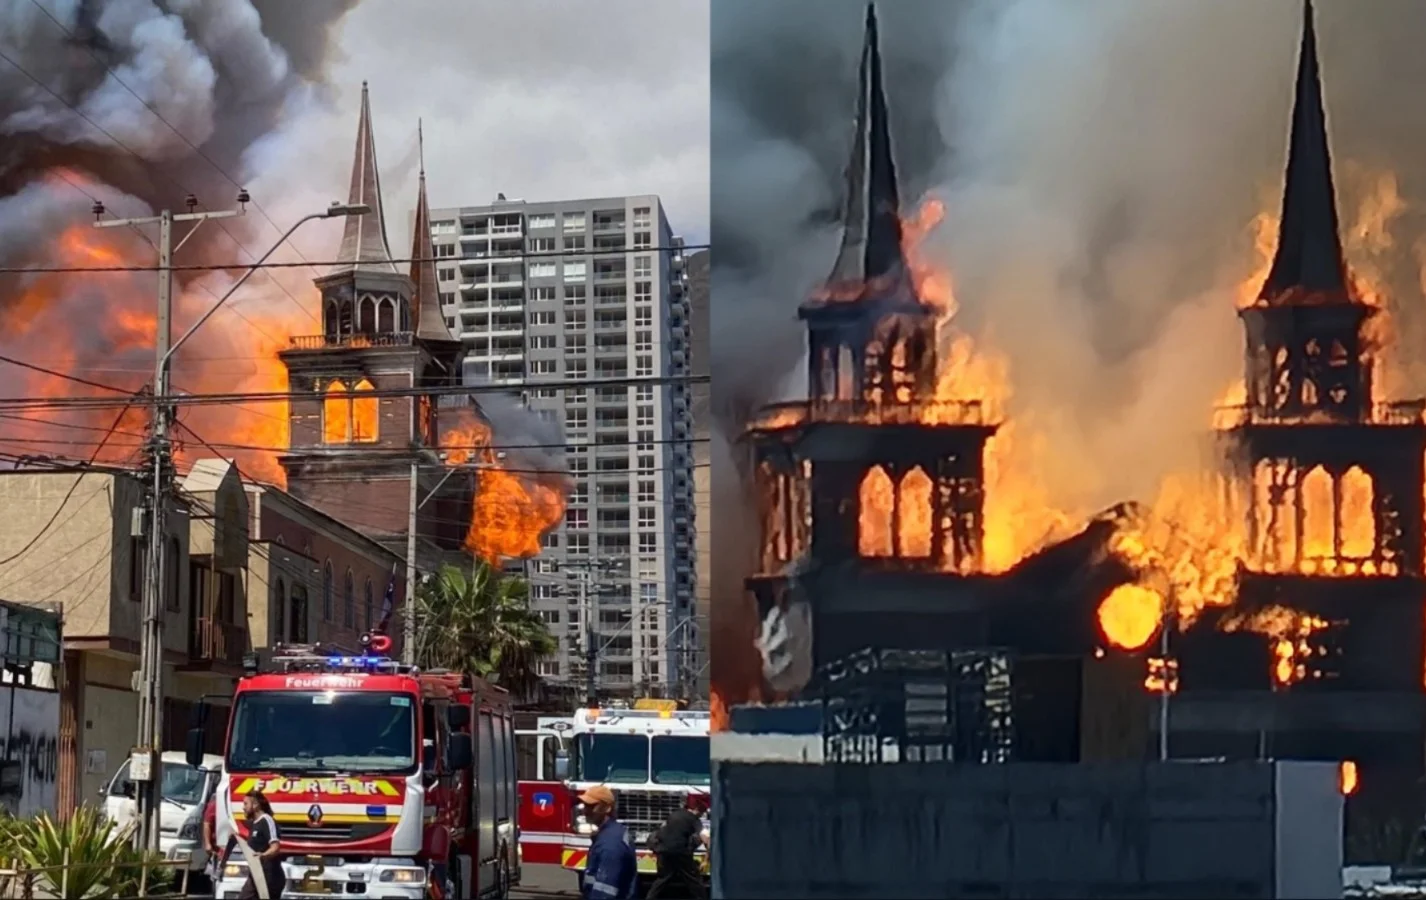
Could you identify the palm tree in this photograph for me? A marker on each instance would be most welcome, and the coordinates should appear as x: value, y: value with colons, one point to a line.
x: 482, y: 623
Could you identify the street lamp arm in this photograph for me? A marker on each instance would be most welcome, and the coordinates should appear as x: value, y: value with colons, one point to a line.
x: 335, y: 211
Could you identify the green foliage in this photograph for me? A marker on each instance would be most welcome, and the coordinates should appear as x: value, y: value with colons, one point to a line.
x: 87, y: 856
x: 481, y: 622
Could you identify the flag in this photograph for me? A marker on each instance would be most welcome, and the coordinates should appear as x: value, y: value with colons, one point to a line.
x: 388, y: 602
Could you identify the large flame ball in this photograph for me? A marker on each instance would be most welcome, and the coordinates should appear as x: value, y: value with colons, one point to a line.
x: 1130, y: 616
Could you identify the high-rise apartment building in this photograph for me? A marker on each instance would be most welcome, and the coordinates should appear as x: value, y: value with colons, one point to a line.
x: 583, y: 291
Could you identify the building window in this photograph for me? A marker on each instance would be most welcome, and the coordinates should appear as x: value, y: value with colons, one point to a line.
x: 643, y: 240
x: 643, y: 267
x: 643, y: 216
x: 543, y: 342
x: 575, y: 271
x: 541, y: 221
x: 646, y: 492
x: 543, y: 366
x: 574, y: 244
x: 643, y: 316
x: 645, y: 416
x: 542, y: 245
x: 543, y: 317
x: 276, y: 612
x: 297, y: 615
x: 574, y: 294
x: 576, y: 518
x: 446, y: 275
x: 350, y: 416
x: 646, y: 463
x: 544, y: 592
x: 348, y: 601
x: 574, y: 222
x: 643, y: 292
x: 648, y: 543
x: 648, y: 517
x: 643, y: 341
x: 542, y: 270
x: 336, y: 415
x: 542, y: 294
x: 367, y: 602
x: 548, y: 668
x: 327, y: 591
x: 644, y: 393
x: 643, y: 366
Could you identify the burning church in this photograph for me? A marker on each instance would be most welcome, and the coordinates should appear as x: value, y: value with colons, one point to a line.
x: 879, y: 604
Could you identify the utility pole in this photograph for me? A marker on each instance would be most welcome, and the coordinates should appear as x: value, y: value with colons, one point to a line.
x: 591, y: 651
x: 408, y: 621
x: 144, y: 766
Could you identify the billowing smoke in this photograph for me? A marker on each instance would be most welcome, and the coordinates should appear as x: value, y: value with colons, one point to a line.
x: 1101, y: 164
x: 138, y: 104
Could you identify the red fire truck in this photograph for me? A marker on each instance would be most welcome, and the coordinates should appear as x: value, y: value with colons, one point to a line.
x: 385, y: 781
x: 545, y: 800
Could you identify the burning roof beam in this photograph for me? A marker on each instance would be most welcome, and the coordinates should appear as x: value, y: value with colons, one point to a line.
x: 871, y: 212
x: 430, y: 324
x: 364, y: 245
x: 1309, y: 252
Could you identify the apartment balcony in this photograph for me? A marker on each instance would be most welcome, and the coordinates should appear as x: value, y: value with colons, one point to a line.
x: 605, y: 226
x: 215, y: 646
x: 349, y: 341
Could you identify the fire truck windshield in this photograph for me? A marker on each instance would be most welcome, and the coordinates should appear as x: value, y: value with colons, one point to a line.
x: 322, y: 731
x: 681, y: 760
x: 613, y: 758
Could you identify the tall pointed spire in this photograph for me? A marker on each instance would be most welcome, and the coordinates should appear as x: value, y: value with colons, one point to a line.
x: 871, y: 239
x: 364, y: 247
x: 430, y: 322
x: 1309, y: 253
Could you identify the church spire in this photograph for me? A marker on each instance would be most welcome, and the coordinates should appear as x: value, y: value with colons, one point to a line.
x: 364, y: 247
x: 430, y: 322
x: 871, y: 237
x: 1309, y: 253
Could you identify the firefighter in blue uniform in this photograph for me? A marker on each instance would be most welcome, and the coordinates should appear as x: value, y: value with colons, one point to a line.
x: 610, y: 870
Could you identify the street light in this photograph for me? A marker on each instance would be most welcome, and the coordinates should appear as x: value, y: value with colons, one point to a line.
x: 144, y: 762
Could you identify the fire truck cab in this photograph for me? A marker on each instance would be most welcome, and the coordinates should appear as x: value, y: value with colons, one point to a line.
x: 545, y: 809
x: 385, y: 781
x: 653, y: 756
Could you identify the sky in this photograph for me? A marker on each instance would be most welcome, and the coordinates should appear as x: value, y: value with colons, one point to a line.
x: 539, y: 100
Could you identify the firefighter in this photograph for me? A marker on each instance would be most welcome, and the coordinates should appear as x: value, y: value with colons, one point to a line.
x: 610, y: 870
x: 674, y: 846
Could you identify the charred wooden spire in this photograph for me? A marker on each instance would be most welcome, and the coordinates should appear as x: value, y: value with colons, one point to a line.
x: 871, y: 236
x: 364, y: 247
x: 430, y: 322
x: 1309, y: 262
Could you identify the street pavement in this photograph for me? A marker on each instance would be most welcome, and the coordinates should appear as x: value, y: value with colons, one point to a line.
x: 545, y: 881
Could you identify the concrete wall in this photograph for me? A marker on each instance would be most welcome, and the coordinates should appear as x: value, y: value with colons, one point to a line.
x: 1026, y: 830
x: 29, y: 736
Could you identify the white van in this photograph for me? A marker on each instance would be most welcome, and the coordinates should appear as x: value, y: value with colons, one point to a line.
x: 185, y: 790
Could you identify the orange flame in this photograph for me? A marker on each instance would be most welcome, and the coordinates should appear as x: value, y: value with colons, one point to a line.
x: 513, y: 510
x: 1130, y: 616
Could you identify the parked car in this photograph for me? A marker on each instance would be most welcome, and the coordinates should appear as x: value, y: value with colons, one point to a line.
x: 185, y: 791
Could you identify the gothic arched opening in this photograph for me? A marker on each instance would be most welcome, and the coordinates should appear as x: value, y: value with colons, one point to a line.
x: 876, y: 498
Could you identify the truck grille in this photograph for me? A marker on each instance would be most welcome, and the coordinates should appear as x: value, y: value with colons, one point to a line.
x: 645, y: 811
x: 331, y: 834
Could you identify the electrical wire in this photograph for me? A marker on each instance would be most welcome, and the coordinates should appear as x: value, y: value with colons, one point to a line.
x: 68, y: 494
x: 211, y: 267
x: 177, y: 400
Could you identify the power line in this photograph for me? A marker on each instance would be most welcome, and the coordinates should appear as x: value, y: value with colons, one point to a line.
x: 74, y: 378
x: 492, y: 258
x: 157, y: 115
x: 44, y: 529
x: 375, y: 393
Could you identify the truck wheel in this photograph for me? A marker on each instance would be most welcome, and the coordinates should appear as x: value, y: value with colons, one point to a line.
x: 502, y: 876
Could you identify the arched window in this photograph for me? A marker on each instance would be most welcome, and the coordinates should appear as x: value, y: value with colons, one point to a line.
x: 366, y: 319
x: 386, y: 318
x: 366, y: 411
x: 336, y: 415
x: 368, y: 604
x: 348, y: 601
x: 345, y: 314
x: 405, y: 316
x: 327, y: 591
x: 329, y: 318
x: 297, y: 621
x: 276, y: 617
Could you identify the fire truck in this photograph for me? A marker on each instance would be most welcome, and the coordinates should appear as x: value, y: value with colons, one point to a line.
x: 545, y: 801
x: 385, y: 781
x: 653, y: 756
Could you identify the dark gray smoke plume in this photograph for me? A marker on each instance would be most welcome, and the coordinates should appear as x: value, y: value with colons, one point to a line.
x: 139, y: 103
x: 1101, y: 163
